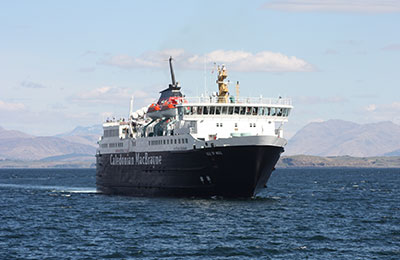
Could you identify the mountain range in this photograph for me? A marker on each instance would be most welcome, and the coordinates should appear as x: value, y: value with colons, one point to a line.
x: 16, y: 145
x: 328, y: 138
x: 339, y: 138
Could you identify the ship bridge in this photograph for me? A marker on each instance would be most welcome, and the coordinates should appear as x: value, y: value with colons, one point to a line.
x: 208, y: 118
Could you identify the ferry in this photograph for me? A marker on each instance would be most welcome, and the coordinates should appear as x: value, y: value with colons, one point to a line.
x: 215, y: 145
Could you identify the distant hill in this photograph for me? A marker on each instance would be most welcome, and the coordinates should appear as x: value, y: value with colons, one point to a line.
x: 15, y: 145
x: 393, y: 153
x: 339, y: 138
x: 84, y: 135
x: 308, y: 161
x: 82, y: 130
x: 6, y: 134
x: 75, y: 157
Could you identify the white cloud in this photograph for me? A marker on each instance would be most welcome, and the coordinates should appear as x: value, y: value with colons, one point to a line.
x: 264, y: 61
x: 371, y: 107
x: 386, y: 112
x: 31, y: 84
x: 5, y: 106
x: 360, y: 6
x: 103, y: 95
x: 111, y: 95
x: 392, y: 47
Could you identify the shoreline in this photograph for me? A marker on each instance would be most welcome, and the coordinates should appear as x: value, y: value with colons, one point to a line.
x: 285, y: 162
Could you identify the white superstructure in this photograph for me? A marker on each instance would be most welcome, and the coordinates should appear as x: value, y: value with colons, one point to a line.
x: 207, y: 119
x: 215, y: 120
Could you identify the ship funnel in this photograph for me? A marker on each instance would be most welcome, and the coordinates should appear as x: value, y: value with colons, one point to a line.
x: 172, y: 72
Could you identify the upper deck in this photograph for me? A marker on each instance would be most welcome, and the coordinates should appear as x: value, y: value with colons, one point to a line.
x: 276, y: 109
x: 250, y: 101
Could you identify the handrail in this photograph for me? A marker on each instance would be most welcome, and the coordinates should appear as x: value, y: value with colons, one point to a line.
x: 242, y: 100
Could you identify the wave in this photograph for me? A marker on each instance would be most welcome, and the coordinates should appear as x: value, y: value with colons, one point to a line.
x: 49, y: 188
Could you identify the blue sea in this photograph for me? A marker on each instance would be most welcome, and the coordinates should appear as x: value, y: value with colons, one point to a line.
x: 302, y: 214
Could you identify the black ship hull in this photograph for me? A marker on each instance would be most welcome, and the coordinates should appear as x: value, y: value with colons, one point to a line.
x: 232, y: 171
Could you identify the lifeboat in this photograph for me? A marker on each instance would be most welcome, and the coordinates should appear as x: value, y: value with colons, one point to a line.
x: 154, y: 111
x: 168, y: 107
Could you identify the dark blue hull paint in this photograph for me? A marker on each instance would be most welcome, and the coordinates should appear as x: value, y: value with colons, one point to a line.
x: 233, y: 171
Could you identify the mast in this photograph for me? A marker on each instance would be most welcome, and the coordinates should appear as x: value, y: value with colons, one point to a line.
x: 222, y: 86
x: 131, y: 107
x: 172, y: 72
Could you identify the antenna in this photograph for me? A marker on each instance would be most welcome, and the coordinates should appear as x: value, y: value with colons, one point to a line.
x: 205, y: 74
x: 131, y: 107
x: 237, y: 89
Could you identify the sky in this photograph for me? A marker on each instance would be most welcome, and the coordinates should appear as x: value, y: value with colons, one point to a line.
x: 74, y: 63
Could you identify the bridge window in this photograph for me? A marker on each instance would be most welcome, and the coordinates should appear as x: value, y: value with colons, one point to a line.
x: 279, y: 111
x: 230, y: 110
x: 224, y: 110
x: 285, y: 111
x: 237, y: 111
x: 242, y: 110
x: 255, y: 110
x: 212, y: 110
x: 248, y: 110
x: 205, y: 110
x: 218, y: 110
x: 273, y: 111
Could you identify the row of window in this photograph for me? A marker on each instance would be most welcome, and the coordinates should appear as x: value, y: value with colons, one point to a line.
x: 236, y: 125
x: 169, y: 141
x: 237, y: 110
x: 112, y: 145
x: 111, y: 132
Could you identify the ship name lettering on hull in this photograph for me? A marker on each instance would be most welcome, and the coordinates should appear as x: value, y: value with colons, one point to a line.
x: 138, y: 159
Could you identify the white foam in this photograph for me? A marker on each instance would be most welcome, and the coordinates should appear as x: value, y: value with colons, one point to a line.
x: 51, y: 188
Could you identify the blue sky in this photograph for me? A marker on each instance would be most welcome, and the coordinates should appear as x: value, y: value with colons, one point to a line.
x: 71, y: 63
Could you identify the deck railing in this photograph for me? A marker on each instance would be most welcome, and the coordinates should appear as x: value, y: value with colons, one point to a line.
x: 242, y: 100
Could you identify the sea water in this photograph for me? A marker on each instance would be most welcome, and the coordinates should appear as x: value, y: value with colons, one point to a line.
x: 303, y: 213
